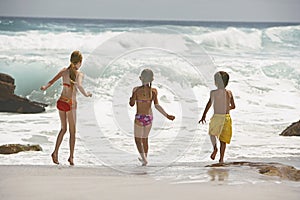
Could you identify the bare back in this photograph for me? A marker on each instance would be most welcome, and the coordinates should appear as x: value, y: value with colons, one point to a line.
x: 144, y: 100
x: 222, y: 100
x: 68, y: 91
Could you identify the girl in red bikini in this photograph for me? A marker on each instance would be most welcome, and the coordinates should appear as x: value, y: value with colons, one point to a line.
x: 143, y: 96
x: 66, y: 104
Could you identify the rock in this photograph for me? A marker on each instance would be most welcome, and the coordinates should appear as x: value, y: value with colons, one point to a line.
x: 9, y: 102
x: 292, y: 130
x: 16, y: 148
x: 271, y: 169
x: 7, y: 85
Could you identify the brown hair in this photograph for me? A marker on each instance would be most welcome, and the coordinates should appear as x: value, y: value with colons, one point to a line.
x: 147, y: 77
x: 221, y: 79
x: 76, y: 57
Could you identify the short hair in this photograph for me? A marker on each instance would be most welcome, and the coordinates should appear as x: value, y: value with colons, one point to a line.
x: 221, y: 79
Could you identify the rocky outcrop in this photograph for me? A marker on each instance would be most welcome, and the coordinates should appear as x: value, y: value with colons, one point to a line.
x: 271, y: 169
x: 9, y: 102
x: 16, y: 148
x: 292, y: 130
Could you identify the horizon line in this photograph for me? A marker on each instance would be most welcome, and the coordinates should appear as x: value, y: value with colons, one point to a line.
x: 149, y: 20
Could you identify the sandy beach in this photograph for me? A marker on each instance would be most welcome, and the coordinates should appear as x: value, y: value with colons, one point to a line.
x: 64, y: 182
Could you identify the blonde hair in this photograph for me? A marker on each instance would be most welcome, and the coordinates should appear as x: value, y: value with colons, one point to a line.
x: 76, y: 57
x: 147, y: 78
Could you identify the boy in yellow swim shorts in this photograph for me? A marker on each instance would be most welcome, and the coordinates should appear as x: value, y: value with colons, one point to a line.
x: 220, y: 125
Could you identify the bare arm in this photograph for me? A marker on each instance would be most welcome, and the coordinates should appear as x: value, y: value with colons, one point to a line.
x: 159, y: 108
x: 79, y: 85
x: 56, y: 77
x: 232, y: 104
x: 207, y: 107
x: 133, y: 97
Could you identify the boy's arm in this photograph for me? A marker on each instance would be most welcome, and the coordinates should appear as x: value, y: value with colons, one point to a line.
x: 79, y: 85
x: 133, y: 97
x: 208, y: 105
x: 159, y: 108
x: 232, y: 104
x: 55, y: 78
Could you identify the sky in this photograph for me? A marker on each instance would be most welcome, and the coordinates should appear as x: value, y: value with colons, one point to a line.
x: 199, y: 10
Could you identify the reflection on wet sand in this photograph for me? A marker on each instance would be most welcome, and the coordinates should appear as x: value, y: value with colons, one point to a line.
x: 218, y: 174
x: 271, y: 169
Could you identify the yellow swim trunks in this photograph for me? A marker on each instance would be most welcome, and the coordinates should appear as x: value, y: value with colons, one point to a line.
x: 220, y: 126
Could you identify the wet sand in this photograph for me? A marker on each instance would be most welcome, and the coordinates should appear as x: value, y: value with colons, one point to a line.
x: 52, y: 182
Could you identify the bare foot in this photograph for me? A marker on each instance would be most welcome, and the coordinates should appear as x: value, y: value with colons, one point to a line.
x: 221, y: 161
x: 144, y: 162
x: 214, y: 153
x: 54, y: 158
x: 70, y: 160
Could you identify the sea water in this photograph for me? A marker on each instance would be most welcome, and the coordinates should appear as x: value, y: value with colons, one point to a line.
x: 262, y: 60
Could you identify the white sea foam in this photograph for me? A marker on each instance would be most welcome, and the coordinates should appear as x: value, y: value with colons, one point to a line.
x: 46, y: 41
x: 231, y: 38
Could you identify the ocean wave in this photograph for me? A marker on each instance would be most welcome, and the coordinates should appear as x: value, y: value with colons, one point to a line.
x: 40, y: 40
x: 43, y: 53
x: 245, y: 39
x: 288, y: 34
x: 231, y: 38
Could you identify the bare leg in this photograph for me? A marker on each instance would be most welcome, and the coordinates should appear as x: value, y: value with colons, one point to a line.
x: 139, y: 145
x: 60, y: 136
x: 74, y: 110
x: 214, y: 143
x: 147, y: 130
x: 145, y: 146
x: 138, y: 132
x: 72, y: 130
x: 222, y: 151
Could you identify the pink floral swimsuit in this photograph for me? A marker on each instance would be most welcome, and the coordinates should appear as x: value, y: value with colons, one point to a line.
x: 144, y: 120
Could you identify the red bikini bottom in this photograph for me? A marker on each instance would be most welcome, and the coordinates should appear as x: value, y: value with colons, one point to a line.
x: 64, y: 104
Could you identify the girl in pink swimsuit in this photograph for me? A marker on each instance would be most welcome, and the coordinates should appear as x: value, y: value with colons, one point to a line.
x: 143, y: 97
